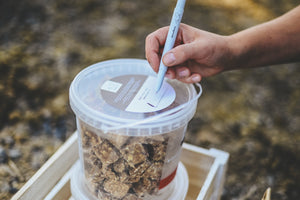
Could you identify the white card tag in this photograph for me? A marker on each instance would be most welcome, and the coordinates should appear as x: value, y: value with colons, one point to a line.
x: 148, y: 100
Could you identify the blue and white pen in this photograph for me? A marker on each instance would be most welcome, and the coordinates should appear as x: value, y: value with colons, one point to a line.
x: 172, y: 34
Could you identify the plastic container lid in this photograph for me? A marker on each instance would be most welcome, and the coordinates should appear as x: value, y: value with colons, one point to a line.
x: 80, y: 191
x: 98, y: 93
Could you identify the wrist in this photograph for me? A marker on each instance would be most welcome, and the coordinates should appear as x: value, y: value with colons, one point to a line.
x: 242, y: 53
x: 231, y: 53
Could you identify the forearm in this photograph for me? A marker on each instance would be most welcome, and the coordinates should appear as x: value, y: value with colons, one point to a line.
x: 274, y: 42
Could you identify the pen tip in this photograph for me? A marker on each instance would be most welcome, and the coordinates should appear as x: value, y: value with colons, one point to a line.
x: 158, y: 88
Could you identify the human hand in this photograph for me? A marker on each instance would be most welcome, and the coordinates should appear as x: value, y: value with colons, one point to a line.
x: 196, y: 53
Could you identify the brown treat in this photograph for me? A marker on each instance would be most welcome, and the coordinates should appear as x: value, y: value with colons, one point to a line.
x: 156, y: 150
x: 156, y: 138
x: 89, y: 138
x: 159, y: 154
x: 94, y: 182
x: 131, y: 197
x: 106, y: 153
x: 93, y: 159
x: 134, y: 154
x: 109, y: 173
x: 149, y: 182
x: 145, y: 187
x: 92, y: 165
x: 124, y: 177
x: 158, y: 146
x: 116, y: 188
x: 137, y: 172
x: 119, y: 141
x: 96, y: 140
x: 154, y: 171
x: 104, y: 195
x: 86, y: 138
x: 119, y: 166
x: 97, y: 178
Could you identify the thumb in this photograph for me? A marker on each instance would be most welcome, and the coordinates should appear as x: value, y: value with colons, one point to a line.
x: 178, y: 55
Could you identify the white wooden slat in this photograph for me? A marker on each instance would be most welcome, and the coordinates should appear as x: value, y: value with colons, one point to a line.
x: 62, y: 189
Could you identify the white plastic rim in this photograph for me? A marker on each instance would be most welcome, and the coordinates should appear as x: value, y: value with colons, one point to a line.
x: 81, y: 192
x: 174, y: 117
x: 181, y: 183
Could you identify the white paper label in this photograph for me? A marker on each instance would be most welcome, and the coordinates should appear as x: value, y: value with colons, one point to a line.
x: 148, y: 100
x: 111, y: 86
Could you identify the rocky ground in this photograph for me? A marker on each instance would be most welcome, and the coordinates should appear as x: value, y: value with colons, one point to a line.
x: 252, y: 114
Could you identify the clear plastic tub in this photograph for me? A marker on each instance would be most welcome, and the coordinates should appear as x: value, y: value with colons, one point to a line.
x: 130, y: 136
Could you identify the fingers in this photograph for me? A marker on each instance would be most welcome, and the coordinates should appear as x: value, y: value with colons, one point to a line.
x: 179, y: 54
x: 176, y: 59
x: 153, y: 46
x: 195, y: 78
x: 183, y: 74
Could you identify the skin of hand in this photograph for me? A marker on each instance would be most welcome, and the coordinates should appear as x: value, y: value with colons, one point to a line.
x: 197, y: 53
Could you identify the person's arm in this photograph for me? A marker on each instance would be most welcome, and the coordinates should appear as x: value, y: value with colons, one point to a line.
x: 274, y: 42
x: 199, y: 53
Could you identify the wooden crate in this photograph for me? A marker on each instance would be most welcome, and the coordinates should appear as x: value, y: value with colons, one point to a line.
x: 206, y: 170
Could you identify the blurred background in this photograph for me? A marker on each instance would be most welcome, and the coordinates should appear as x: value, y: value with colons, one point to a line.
x: 252, y: 114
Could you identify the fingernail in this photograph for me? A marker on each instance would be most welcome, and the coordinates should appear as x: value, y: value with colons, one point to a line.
x: 183, y: 73
x: 169, y: 58
x: 196, y: 79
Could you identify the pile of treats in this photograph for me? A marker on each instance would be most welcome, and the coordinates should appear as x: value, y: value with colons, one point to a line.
x: 122, y: 167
